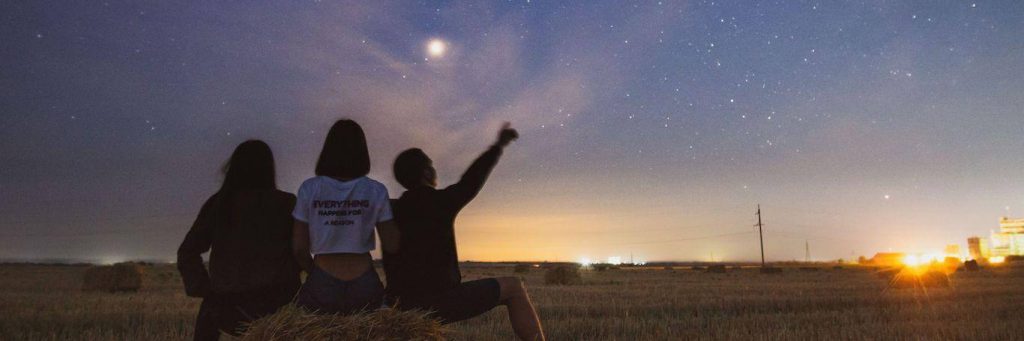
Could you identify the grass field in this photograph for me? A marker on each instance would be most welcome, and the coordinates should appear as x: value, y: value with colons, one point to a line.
x: 44, y: 303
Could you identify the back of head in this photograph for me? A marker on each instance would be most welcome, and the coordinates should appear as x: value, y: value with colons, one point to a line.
x: 345, y: 155
x: 251, y: 167
x: 409, y: 167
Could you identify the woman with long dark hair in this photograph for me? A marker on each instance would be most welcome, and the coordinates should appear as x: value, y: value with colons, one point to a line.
x: 335, y: 216
x: 246, y: 227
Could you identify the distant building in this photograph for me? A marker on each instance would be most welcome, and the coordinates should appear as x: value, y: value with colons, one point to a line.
x: 888, y: 258
x: 953, y: 250
x: 977, y: 248
x: 1009, y: 241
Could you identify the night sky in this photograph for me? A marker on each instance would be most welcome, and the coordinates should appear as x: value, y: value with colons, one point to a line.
x: 652, y: 128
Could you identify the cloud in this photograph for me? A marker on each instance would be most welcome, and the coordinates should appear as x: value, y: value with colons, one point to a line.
x: 444, y: 105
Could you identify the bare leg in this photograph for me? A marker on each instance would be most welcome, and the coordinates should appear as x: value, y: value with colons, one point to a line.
x: 521, y: 314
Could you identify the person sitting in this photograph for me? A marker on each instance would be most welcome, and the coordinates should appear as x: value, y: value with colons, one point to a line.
x: 246, y: 227
x: 335, y: 215
x: 425, y: 273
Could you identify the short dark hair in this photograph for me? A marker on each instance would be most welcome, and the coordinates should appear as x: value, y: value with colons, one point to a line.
x: 409, y: 166
x: 345, y: 154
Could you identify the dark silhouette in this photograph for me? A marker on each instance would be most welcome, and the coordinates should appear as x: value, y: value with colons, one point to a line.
x: 345, y: 155
x: 246, y: 228
x: 425, y: 274
x: 333, y: 233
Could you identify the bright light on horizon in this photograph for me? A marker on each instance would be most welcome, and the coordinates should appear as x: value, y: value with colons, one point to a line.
x: 110, y: 259
x: 921, y: 259
x: 911, y: 260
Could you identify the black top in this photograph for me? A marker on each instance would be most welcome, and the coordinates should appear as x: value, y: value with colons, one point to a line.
x: 427, y: 262
x: 251, y: 246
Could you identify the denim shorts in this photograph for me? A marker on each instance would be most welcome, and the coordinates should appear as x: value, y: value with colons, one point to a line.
x: 326, y: 294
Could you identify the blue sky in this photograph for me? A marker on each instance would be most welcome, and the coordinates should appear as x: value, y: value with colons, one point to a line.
x: 651, y: 128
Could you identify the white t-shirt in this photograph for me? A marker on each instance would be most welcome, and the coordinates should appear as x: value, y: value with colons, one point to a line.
x: 342, y: 214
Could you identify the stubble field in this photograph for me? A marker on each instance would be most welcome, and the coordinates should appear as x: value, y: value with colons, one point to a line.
x: 43, y: 302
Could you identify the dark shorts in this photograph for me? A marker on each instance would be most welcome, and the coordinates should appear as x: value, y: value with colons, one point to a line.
x: 467, y: 300
x: 326, y: 294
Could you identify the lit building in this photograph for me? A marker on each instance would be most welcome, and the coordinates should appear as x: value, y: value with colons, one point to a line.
x: 977, y: 248
x: 953, y: 250
x: 615, y: 260
x: 888, y: 259
x: 1009, y: 241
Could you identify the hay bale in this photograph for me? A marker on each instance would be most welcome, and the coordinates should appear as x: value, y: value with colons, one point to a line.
x: 521, y: 268
x: 294, y: 323
x: 971, y: 265
x: 113, y: 278
x: 716, y: 269
x: 668, y: 267
x: 562, y: 275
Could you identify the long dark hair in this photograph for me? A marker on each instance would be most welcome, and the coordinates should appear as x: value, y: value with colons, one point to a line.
x: 345, y: 155
x: 251, y: 167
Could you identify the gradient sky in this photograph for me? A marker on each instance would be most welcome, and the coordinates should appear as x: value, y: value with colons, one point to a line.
x: 652, y: 128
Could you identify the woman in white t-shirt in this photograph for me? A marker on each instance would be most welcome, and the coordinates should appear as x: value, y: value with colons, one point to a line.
x: 335, y: 215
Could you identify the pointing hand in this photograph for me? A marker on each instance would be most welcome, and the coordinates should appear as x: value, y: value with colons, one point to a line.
x: 506, y: 135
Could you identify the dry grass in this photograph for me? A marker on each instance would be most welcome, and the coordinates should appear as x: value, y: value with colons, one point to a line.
x: 716, y: 269
x: 294, y: 323
x: 113, y: 278
x: 562, y: 275
x: 522, y: 268
x: 44, y: 303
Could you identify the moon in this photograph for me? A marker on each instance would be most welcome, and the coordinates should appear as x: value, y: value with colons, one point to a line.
x: 436, y: 48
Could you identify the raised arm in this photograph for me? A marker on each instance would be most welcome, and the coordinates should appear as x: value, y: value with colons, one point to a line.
x: 196, y: 243
x: 300, y: 245
x: 474, y: 178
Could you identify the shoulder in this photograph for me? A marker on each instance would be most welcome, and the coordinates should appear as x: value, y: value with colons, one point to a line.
x: 310, y: 184
x: 316, y: 180
x: 212, y: 200
x: 284, y: 196
x: 376, y: 185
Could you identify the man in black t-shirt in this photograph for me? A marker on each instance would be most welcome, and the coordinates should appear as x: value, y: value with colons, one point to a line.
x: 425, y: 274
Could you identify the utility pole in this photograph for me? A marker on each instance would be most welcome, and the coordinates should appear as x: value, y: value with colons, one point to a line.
x: 760, y: 232
x: 807, y: 251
